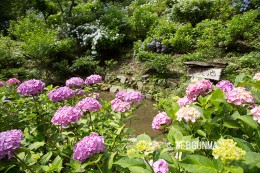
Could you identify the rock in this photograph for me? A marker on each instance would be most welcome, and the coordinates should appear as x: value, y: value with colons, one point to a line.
x: 109, y: 78
x: 105, y: 87
x: 140, y: 85
x: 171, y: 83
x: 129, y: 90
x: 114, y: 89
x: 122, y: 78
x: 148, y: 96
x: 146, y: 76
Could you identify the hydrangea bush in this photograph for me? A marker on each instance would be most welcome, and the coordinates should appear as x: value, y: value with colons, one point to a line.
x: 213, y: 128
x: 62, y: 129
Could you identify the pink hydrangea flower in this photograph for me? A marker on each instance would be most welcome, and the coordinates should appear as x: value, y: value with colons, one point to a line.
x: 9, y: 141
x: 184, y: 101
x: 66, y: 114
x: 80, y: 92
x: 30, y: 87
x: 88, y: 104
x: 94, y: 95
x: 61, y: 93
x: 92, y: 79
x: 188, y: 113
x: 225, y: 85
x: 88, y: 146
x: 130, y: 96
x: 120, y: 106
x: 74, y: 82
x: 257, y: 76
x: 160, y: 166
x: 159, y: 120
x: 239, y: 95
x: 12, y: 81
x: 199, y: 88
x: 256, y: 113
x: 1, y: 84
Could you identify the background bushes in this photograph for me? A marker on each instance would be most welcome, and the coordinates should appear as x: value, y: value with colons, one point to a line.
x: 71, y: 38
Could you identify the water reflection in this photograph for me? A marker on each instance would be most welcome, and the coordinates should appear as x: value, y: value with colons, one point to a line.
x: 144, y: 116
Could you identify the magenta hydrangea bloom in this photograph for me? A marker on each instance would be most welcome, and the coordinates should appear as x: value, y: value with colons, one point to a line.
x: 239, y: 95
x: 130, y: 96
x: 88, y: 104
x: 160, y: 166
x: 30, y: 87
x: 256, y: 113
x: 9, y: 141
x: 61, y: 93
x: 1, y: 84
x: 88, y: 146
x: 159, y: 120
x: 256, y: 76
x: 188, y: 113
x: 74, y: 82
x: 66, y: 114
x: 92, y: 79
x: 184, y: 101
x: 80, y: 92
x: 225, y: 85
x: 199, y: 88
x: 12, y: 81
x: 94, y: 95
x: 120, y: 106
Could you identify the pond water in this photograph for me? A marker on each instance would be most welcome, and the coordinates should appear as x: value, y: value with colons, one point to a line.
x: 144, y: 116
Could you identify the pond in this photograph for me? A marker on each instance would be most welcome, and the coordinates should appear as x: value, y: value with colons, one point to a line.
x: 144, y: 116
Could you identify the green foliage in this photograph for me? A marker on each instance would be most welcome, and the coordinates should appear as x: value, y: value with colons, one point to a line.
x: 182, y: 41
x: 192, y: 11
x: 242, y: 26
x: 85, y: 13
x: 85, y: 64
x: 207, y: 33
x: 142, y: 21
x: 159, y: 63
x: 115, y: 19
x: 11, y: 58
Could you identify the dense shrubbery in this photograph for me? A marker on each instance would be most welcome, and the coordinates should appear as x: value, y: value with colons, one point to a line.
x: 56, y: 37
x: 62, y: 129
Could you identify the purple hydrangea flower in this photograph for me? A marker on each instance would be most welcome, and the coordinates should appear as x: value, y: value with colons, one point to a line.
x: 9, y: 141
x: 256, y: 113
x: 66, y: 114
x: 88, y: 104
x: 80, y: 92
x: 12, y: 81
x: 74, y: 82
x: 225, y: 85
x: 239, y: 96
x: 30, y: 87
x: 92, y: 79
x: 198, y: 88
x: 130, y: 96
x: 88, y: 146
x: 120, y: 106
x: 160, y: 166
x: 62, y: 93
x: 184, y: 101
x: 159, y: 120
x: 1, y: 84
